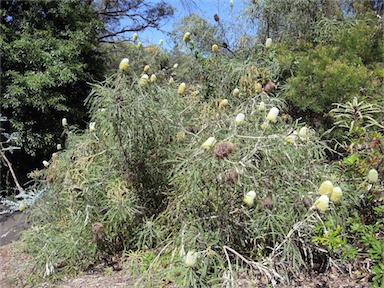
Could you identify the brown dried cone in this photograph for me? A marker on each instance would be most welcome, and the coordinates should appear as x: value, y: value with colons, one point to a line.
x: 223, y: 149
x: 216, y: 17
x: 51, y: 177
x: 267, y: 203
x: 193, y: 129
x: 286, y: 118
x: 269, y: 87
x: 98, y: 231
x: 232, y: 176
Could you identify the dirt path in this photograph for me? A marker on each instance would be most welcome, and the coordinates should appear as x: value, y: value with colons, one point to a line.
x: 15, y: 271
x: 10, y: 227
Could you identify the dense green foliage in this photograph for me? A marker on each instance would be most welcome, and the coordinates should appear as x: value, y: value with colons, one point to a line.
x: 349, y: 65
x: 49, y: 53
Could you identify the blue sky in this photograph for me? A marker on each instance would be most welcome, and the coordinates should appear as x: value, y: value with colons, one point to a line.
x: 204, y: 8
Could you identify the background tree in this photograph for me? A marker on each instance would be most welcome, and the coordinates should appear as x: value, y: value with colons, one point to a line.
x: 289, y: 20
x: 203, y: 33
x: 294, y: 20
x: 50, y: 52
x: 137, y: 15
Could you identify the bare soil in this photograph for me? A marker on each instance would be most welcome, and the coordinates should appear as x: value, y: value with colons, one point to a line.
x: 16, y: 271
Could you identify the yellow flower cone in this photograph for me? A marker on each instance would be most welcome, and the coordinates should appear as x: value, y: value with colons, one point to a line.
x: 262, y: 106
x: 209, y: 143
x: 291, y: 138
x: 258, y: 87
x: 322, y: 203
x: 153, y: 78
x: 249, y: 198
x: 181, y: 89
x: 336, y: 195
x: 215, y: 48
x: 124, y: 65
x: 268, y: 43
x: 191, y: 258
x: 265, y: 125
x: 326, y: 188
x: 373, y: 176
x: 22, y: 207
x: 303, y: 132
x: 92, y: 126
x: 223, y: 103
x: 240, y: 118
x: 187, y: 37
x: 272, y: 114
x: 144, y: 80
x: 236, y: 92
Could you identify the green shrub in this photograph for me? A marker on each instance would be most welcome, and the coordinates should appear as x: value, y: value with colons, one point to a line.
x: 345, y: 63
x: 323, y: 77
x: 140, y: 179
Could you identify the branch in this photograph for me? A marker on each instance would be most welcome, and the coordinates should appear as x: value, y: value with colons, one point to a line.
x: 135, y: 29
x: 11, y: 169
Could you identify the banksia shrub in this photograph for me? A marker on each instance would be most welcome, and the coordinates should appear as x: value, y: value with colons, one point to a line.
x: 104, y: 183
x: 247, y: 178
x: 174, y: 174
